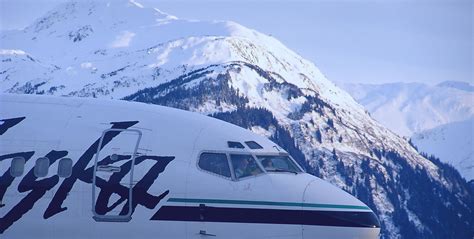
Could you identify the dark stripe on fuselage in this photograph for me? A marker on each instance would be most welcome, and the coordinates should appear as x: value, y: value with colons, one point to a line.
x: 265, y: 203
x: 269, y: 216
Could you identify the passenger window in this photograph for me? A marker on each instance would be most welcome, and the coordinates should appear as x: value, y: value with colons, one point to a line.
x: 278, y: 164
x: 215, y: 163
x: 65, y: 168
x: 41, y: 167
x: 17, y: 166
x: 244, y: 165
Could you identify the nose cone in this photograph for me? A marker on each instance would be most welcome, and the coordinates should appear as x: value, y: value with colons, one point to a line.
x: 329, y: 212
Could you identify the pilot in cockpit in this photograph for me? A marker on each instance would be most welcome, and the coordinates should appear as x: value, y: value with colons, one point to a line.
x: 244, y: 165
x: 241, y: 169
x: 268, y: 164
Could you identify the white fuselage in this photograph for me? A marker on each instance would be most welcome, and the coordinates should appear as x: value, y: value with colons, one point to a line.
x: 153, y: 152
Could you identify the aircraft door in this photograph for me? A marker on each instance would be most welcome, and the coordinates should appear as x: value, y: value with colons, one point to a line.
x: 113, y: 180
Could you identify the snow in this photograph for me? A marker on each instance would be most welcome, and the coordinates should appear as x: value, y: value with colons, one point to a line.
x: 123, y: 39
x: 437, y: 118
x: 134, y: 28
x: 406, y: 108
x: 452, y: 143
x: 412, y: 216
x: 11, y: 52
x: 465, y: 86
x: 86, y: 65
x: 136, y: 4
x: 261, y: 131
x: 209, y: 108
x: 385, y: 210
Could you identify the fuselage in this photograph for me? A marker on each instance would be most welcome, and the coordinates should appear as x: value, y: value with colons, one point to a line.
x: 100, y: 168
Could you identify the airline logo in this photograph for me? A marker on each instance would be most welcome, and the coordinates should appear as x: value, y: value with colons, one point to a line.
x: 36, y: 188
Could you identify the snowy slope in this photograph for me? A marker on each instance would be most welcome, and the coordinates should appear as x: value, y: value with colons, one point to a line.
x: 406, y: 108
x: 437, y: 118
x: 149, y: 44
x: 123, y: 50
x: 452, y: 143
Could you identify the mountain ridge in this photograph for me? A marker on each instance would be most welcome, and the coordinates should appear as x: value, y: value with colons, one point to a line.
x: 460, y: 85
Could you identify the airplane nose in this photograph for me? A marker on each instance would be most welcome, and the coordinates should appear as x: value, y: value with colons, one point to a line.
x: 330, y: 212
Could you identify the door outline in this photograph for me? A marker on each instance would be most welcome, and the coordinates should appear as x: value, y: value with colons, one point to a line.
x: 115, y: 218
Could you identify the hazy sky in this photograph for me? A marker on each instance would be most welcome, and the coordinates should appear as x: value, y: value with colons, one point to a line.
x: 351, y: 41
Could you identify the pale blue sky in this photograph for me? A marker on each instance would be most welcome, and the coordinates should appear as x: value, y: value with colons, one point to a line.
x: 350, y: 41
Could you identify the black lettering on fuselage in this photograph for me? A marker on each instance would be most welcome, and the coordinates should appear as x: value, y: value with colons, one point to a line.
x: 38, y: 188
x: 9, y: 123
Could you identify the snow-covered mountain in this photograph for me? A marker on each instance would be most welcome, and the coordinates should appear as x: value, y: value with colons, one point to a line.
x: 438, y: 118
x: 408, y: 108
x: 464, y: 86
x: 123, y: 50
x: 452, y: 143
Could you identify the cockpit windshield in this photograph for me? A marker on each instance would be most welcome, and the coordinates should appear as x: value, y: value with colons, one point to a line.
x: 244, y: 165
x: 278, y: 164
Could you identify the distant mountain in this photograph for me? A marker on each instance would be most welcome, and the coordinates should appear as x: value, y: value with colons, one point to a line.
x: 452, y: 143
x: 406, y: 108
x: 438, y: 118
x: 123, y: 50
x: 464, y: 86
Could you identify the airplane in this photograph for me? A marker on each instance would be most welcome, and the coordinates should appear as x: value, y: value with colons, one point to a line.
x: 93, y: 168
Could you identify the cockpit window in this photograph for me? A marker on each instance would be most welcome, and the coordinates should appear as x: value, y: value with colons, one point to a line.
x: 215, y: 163
x: 235, y: 145
x: 253, y: 145
x: 278, y: 164
x: 244, y: 165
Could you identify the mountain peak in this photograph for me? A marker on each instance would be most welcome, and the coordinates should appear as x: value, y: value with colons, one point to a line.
x: 129, y: 13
